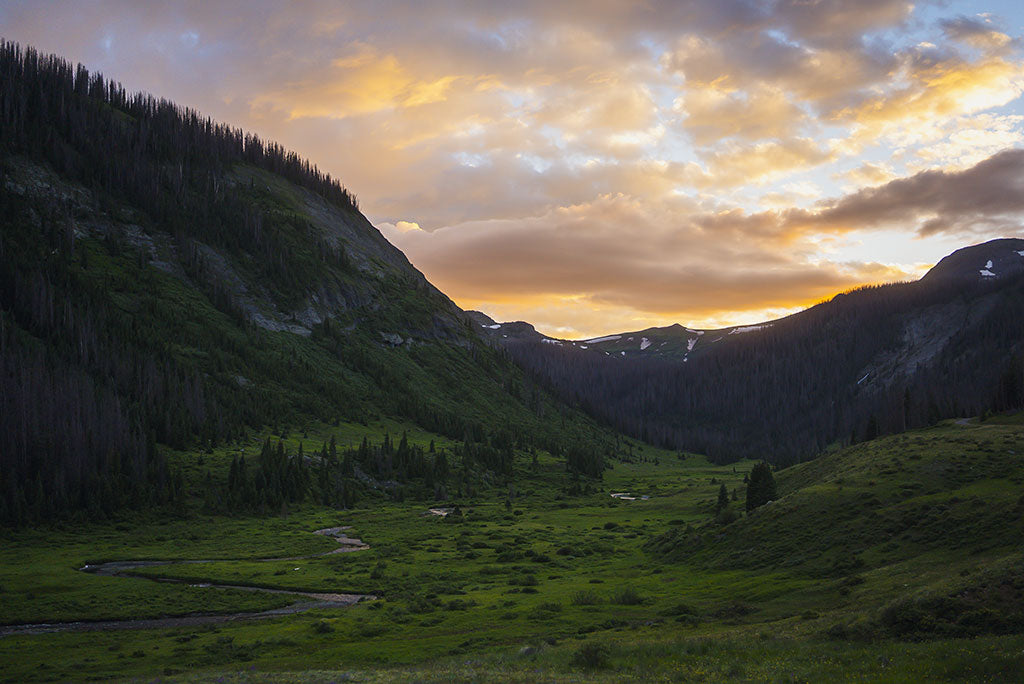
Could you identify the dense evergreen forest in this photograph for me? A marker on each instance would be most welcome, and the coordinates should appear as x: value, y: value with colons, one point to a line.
x: 788, y: 391
x: 141, y: 246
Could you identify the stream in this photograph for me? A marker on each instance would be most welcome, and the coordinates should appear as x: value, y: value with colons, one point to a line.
x: 129, y: 569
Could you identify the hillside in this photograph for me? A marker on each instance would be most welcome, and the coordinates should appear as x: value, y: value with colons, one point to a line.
x: 243, y: 439
x: 897, y: 559
x: 167, y: 281
x: 872, y: 361
x: 907, y: 528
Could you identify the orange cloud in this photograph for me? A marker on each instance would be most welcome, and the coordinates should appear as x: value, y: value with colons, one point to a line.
x: 363, y: 82
x: 598, y: 163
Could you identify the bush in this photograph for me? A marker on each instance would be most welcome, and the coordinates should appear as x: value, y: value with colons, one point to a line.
x: 585, y: 597
x: 627, y: 596
x: 591, y: 656
x: 545, y: 611
x: 680, y: 609
x: 322, y: 627
x: 726, y: 516
x: 523, y: 580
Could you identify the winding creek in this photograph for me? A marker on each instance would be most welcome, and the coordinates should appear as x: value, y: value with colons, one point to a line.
x: 346, y: 544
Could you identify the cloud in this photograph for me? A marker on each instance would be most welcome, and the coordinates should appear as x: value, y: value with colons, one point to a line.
x: 869, y: 173
x: 745, y: 164
x: 617, y: 253
x: 712, y: 114
x: 363, y: 82
x: 938, y: 86
x: 986, y: 199
x: 592, y: 161
x: 977, y: 32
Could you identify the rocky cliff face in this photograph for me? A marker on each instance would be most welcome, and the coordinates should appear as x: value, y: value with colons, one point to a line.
x: 358, y: 274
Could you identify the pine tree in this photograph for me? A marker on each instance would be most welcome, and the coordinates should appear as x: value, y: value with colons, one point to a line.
x: 761, y: 488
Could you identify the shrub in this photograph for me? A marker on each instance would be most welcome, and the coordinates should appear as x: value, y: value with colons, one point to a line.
x: 523, y: 580
x: 460, y: 604
x: 591, y: 656
x: 679, y: 609
x: 726, y: 516
x: 627, y: 596
x: 545, y: 611
x: 371, y: 630
x: 585, y: 597
x: 322, y: 627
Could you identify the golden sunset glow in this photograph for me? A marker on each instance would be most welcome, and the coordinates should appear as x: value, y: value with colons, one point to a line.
x: 602, y: 166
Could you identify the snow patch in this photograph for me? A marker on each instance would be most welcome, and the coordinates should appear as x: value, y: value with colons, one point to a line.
x: 1021, y: 252
x: 547, y: 341
x: 988, y: 264
x: 493, y: 327
x: 609, y: 338
x: 583, y: 346
x: 690, y: 344
x: 623, y: 353
x: 747, y: 328
x: 864, y: 378
x: 644, y: 343
x: 987, y: 273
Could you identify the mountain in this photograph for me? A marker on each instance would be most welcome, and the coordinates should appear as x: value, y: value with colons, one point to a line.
x: 994, y: 260
x: 872, y: 361
x: 169, y: 281
x: 669, y: 342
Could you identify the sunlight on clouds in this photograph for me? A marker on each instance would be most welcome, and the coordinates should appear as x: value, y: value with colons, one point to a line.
x: 712, y: 114
x: 969, y: 140
x: 867, y: 174
x: 406, y: 226
x: 762, y: 162
x: 362, y: 83
x: 599, y: 167
x: 945, y: 89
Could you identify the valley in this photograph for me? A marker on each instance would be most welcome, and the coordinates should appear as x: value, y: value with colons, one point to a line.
x: 244, y: 439
x: 892, y: 548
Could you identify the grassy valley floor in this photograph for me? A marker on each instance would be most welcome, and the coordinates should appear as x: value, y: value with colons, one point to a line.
x: 894, y: 560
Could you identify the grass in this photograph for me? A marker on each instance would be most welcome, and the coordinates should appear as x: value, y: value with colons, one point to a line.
x: 795, y: 592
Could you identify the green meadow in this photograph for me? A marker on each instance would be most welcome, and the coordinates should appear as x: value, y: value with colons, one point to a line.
x: 894, y: 560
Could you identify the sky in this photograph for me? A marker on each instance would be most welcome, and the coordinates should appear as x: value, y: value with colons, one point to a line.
x: 597, y: 166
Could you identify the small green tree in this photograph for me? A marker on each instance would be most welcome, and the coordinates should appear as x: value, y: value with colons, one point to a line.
x: 761, y: 488
x: 723, y: 498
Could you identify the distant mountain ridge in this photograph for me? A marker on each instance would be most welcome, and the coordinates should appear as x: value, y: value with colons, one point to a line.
x: 995, y: 260
x: 873, y: 360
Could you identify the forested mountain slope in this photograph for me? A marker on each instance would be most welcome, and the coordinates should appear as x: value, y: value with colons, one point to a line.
x: 872, y: 361
x: 165, y: 279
